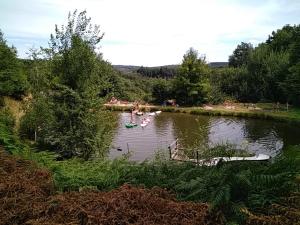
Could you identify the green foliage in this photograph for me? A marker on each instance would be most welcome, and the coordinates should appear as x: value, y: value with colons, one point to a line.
x: 158, y: 72
x: 6, y: 118
x: 38, y: 115
x: 161, y: 90
x: 76, y: 174
x: 12, y: 79
x: 69, y: 85
x: 282, y: 39
x: 66, y: 123
x: 7, y: 137
x: 240, y: 55
x: 74, y: 59
x: 271, y: 69
x: 220, y: 150
x: 231, y: 82
x: 189, y: 82
x: 266, y: 69
x: 268, y: 72
x: 235, y: 186
x: 212, y: 92
x: 38, y: 71
x: 291, y: 84
x: 132, y: 87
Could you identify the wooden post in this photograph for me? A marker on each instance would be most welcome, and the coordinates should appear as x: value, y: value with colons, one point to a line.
x: 127, y: 147
x: 170, y: 152
x: 197, y: 154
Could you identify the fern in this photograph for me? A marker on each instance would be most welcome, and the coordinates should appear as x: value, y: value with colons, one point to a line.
x: 221, y: 197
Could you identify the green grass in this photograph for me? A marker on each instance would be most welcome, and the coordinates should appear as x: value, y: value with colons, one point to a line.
x: 278, y: 116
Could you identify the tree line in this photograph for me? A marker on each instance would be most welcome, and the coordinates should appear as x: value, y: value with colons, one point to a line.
x: 266, y: 73
x: 158, y: 72
x: 269, y: 72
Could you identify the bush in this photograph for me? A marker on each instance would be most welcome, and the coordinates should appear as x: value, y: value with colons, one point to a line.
x: 6, y: 118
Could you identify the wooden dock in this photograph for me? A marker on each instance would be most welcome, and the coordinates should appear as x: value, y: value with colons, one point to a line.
x: 176, y: 153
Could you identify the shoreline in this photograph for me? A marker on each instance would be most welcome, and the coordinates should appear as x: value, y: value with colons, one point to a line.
x: 282, y: 116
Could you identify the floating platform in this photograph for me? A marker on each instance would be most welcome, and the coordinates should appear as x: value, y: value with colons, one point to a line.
x: 177, y: 154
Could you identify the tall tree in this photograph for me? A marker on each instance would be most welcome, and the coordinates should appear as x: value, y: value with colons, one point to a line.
x: 231, y: 82
x: 291, y: 85
x: 192, y: 75
x: 286, y: 41
x: 77, y: 126
x: 161, y: 90
x: 240, y: 55
x: 73, y: 51
x: 12, y: 78
x: 281, y: 39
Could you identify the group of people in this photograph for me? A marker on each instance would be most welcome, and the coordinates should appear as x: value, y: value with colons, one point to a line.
x: 134, y: 111
x: 135, y: 108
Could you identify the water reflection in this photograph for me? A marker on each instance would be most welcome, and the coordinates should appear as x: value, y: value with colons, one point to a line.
x: 254, y: 135
x: 191, y: 130
x: 142, y: 142
x: 257, y: 136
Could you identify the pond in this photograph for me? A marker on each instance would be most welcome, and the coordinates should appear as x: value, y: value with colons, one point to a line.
x: 254, y: 135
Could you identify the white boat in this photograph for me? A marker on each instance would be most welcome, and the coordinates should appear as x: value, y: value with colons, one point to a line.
x: 139, y: 113
x: 157, y: 112
x: 216, y: 160
x: 145, y: 122
x: 151, y: 114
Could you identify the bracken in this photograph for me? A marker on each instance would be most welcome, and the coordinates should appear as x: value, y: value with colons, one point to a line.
x: 27, y: 197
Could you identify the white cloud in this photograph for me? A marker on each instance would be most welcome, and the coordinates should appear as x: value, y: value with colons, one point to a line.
x: 157, y: 32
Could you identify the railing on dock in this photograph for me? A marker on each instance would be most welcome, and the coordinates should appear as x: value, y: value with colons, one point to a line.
x: 177, y: 153
x: 173, y: 149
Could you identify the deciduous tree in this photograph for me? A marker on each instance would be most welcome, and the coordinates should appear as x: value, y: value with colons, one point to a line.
x: 12, y: 79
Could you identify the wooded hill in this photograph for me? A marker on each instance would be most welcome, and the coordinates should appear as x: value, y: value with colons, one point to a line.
x: 159, y: 71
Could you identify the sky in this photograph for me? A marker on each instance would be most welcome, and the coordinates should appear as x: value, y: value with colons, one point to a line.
x: 151, y: 32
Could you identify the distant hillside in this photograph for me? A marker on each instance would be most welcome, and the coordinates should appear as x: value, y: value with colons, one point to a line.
x: 130, y: 68
x: 218, y: 64
x: 125, y: 68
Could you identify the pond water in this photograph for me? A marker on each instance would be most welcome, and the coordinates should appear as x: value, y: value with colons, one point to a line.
x: 256, y: 136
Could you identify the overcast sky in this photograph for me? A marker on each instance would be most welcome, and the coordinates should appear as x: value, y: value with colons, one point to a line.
x: 152, y: 32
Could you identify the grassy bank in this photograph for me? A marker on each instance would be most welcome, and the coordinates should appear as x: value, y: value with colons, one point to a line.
x: 265, y: 111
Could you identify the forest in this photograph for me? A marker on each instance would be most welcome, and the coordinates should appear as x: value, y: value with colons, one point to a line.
x: 65, y: 129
